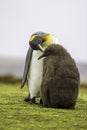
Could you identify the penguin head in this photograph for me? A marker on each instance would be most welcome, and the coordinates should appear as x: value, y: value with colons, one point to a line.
x: 40, y: 40
x: 50, y: 50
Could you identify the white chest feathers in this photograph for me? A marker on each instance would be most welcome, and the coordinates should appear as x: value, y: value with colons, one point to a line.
x: 35, y: 74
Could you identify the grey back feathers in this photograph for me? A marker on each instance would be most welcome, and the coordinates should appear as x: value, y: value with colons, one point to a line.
x: 60, y: 83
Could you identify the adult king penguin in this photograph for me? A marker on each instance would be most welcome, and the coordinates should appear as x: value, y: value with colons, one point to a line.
x: 33, y: 69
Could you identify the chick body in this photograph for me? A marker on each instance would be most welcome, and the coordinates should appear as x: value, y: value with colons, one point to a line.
x: 60, y: 82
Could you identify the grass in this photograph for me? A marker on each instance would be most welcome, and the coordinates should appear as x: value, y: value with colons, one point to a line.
x: 15, y: 114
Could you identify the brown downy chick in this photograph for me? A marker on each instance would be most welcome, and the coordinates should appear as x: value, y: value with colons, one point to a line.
x: 61, y: 79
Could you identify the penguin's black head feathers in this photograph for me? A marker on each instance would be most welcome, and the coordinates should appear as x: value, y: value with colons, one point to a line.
x: 35, y: 44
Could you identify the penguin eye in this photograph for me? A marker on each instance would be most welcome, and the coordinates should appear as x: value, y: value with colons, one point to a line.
x: 43, y: 39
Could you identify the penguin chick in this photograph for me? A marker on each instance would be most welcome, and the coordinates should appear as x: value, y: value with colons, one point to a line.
x: 61, y: 79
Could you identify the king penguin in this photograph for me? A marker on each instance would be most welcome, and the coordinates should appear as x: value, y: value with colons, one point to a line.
x: 33, y: 69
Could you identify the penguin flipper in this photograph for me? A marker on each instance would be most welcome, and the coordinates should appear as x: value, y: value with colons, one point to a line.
x: 27, y: 66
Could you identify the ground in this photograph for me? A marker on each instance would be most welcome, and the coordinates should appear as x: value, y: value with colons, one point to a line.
x: 15, y: 114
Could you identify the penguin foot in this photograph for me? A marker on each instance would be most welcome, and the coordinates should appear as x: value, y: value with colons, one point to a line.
x: 33, y: 101
x: 41, y: 102
x: 27, y: 99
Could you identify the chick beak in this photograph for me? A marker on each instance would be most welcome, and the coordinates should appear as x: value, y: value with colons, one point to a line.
x: 40, y: 48
x: 41, y: 56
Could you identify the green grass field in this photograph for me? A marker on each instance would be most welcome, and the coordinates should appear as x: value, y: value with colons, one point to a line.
x: 15, y: 114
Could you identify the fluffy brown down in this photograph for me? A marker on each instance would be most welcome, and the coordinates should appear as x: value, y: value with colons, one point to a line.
x: 61, y: 79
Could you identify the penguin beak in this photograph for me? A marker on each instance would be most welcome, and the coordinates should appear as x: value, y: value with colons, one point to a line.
x: 40, y: 48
